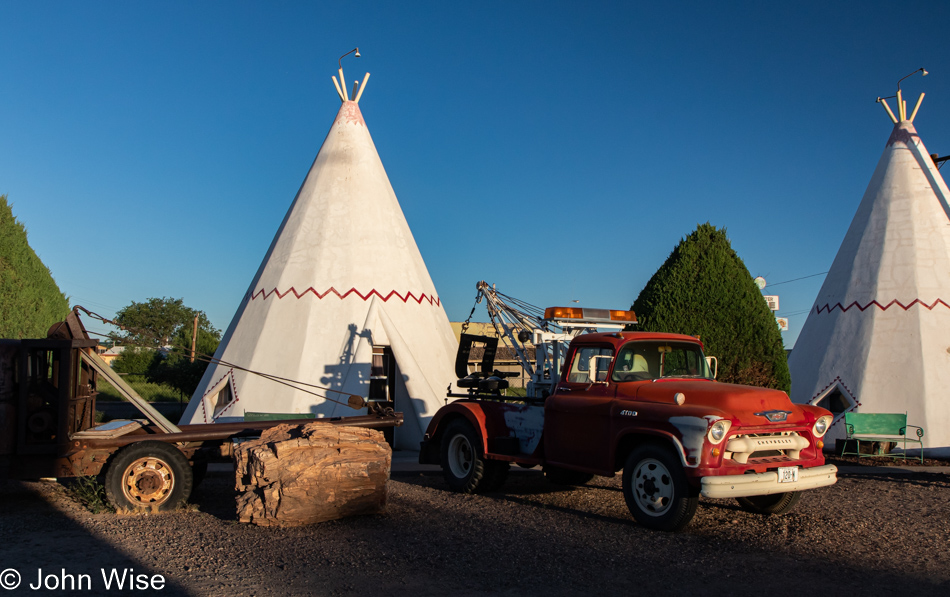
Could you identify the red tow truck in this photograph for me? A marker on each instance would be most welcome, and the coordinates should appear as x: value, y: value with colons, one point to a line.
x: 643, y: 403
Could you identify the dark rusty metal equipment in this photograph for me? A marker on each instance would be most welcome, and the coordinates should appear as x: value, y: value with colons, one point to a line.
x: 48, y: 391
x: 46, y: 395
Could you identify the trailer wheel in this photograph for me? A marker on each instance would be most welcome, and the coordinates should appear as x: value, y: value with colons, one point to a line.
x: 463, y: 463
x: 148, y: 476
x: 656, y: 491
x: 777, y: 503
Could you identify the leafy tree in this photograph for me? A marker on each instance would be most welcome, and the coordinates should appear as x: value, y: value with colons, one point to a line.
x: 158, y: 321
x: 30, y: 300
x: 175, y: 368
x: 165, y: 326
x: 703, y: 289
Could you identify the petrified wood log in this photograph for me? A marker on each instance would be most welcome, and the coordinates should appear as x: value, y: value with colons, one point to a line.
x: 302, y: 474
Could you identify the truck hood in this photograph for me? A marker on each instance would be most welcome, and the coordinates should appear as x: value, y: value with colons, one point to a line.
x: 745, y: 403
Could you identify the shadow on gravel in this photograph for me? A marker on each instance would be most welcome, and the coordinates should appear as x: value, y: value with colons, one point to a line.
x: 530, y: 538
x: 36, y: 535
x: 725, y: 505
x: 936, y: 480
x: 528, y: 489
x: 580, y: 514
x: 519, y: 483
x: 215, y: 495
x: 585, y: 533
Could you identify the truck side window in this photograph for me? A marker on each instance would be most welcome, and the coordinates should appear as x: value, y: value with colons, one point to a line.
x: 636, y: 363
x: 583, y: 363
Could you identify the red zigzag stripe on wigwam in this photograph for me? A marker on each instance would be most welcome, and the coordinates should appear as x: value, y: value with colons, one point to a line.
x: 409, y: 295
x: 883, y: 307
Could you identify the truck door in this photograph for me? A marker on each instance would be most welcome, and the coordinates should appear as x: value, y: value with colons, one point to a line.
x: 577, y: 416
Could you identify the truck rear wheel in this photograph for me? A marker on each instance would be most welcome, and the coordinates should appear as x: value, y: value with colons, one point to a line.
x: 656, y: 491
x: 777, y: 503
x: 148, y: 476
x: 463, y: 462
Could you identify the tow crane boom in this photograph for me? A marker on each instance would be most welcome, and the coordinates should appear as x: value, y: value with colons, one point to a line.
x: 519, y: 323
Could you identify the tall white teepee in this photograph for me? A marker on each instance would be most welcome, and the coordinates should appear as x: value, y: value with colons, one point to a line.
x: 342, y: 280
x: 878, y: 337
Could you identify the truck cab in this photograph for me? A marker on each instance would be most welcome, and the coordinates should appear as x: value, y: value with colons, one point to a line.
x: 646, y: 405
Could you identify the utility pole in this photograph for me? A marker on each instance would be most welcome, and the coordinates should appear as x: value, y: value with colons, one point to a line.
x: 194, y: 338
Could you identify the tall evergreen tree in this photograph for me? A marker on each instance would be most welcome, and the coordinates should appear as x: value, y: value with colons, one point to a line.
x: 30, y: 300
x: 703, y: 289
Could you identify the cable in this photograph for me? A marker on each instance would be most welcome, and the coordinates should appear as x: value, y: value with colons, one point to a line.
x: 797, y: 279
x: 211, y: 360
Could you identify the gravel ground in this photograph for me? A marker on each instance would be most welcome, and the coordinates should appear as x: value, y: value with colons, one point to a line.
x: 869, y: 534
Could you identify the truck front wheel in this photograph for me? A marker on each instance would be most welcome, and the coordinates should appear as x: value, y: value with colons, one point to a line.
x: 148, y: 476
x: 463, y: 463
x: 777, y: 503
x: 656, y: 490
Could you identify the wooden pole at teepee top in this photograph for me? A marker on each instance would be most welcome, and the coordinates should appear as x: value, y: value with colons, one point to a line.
x: 362, y: 87
x: 917, y: 107
x: 338, y: 90
x: 887, y: 108
x: 343, y: 86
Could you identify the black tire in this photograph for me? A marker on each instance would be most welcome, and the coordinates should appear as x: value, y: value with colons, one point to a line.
x: 563, y: 476
x: 148, y: 477
x: 656, y: 491
x: 463, y: 460
x: 777, y: 503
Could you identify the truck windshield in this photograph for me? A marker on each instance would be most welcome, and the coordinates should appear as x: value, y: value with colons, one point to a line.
x: 657, y: 359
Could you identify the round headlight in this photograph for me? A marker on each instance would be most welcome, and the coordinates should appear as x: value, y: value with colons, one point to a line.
x: 718, y: 431
x: 821, y: 425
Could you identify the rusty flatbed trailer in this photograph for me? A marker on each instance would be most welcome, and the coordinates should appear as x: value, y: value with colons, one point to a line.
x: 84, y: 457
x: 48, y: 390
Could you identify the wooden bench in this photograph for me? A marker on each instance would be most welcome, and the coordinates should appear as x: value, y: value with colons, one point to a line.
x: 880, y: 427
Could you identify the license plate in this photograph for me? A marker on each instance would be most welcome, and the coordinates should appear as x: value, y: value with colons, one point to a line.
x: 787, y: 474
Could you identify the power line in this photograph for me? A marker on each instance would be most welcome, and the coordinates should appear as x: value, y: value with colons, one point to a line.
x: 797, y: 279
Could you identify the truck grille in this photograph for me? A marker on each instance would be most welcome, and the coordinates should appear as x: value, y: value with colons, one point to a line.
x: 765, y: 447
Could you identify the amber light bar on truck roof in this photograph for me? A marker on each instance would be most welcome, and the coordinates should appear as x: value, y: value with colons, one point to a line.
x: 590, y: 315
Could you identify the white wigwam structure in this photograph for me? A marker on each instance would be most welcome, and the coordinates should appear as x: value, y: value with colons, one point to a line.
x: 877, y: 339
x: 342, y: 300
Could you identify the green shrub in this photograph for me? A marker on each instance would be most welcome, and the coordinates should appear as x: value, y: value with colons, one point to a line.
x: 175, y: 368
x: 703, y: 289
x: 152, y: 392
x: 136, y: 361
x: 89, y: 492
x: 30, y: 300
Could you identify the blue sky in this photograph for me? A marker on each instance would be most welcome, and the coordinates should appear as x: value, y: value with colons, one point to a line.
x: 557, y: 149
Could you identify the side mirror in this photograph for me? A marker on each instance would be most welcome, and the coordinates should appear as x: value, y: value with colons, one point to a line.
x: 713, y: 364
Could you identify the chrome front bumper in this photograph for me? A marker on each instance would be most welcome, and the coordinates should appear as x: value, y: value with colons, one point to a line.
x: 731, y: 486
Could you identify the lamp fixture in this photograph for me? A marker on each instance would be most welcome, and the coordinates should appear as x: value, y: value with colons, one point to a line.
x: 357, y: 50
x: 919, y: 70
